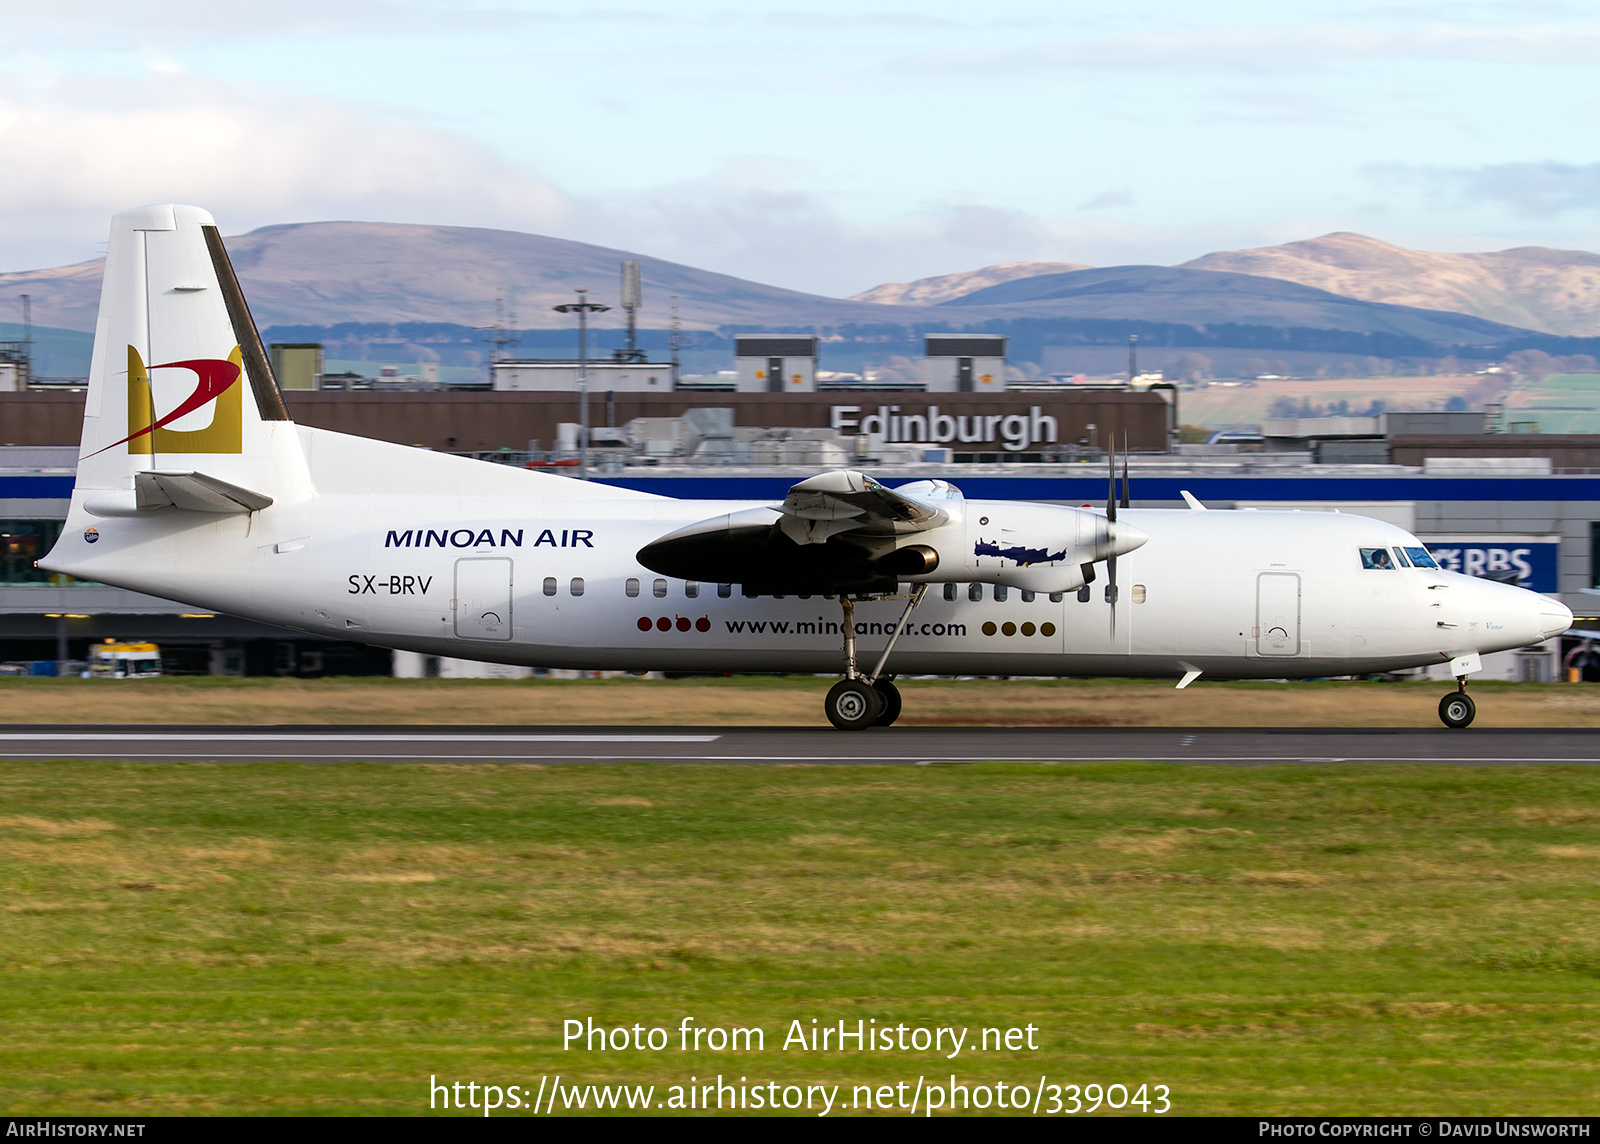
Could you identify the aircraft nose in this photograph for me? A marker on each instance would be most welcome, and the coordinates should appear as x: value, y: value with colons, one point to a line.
x: 1554, y: 617
x: 1125, y: 537
x: 1504, y: 616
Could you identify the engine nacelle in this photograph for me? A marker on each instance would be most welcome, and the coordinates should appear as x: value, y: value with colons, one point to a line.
x: 1034, y: 547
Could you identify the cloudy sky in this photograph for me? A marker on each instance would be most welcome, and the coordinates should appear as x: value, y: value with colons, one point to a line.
x: 825, y: 145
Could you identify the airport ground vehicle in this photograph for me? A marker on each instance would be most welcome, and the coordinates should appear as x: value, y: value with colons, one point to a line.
x: 124, y: 661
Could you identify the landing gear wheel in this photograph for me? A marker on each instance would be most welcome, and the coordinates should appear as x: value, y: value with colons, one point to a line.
x: 1457, y: 709
x: 889, y: 700
x: 852, y: 705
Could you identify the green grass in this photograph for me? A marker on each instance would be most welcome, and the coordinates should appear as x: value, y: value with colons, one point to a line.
x: 320, y: 939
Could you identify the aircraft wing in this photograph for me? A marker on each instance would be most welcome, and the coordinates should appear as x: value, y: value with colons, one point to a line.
x: 824, y: 506
x: 833, y: 532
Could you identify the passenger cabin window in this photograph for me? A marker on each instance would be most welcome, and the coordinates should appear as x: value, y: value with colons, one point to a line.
x: 724, y: 591
x: 975, y: 593
x: 1056, y: 598
x: 691, y: 588
x: 577, y: 585
x: 1027, y: 596
x: 950, y: 592
x: 632, y: 586
x: 659, y: 588
x: 549, y: 585
x: 1421, y: 558
x: 1000, y: 593
x: 1377, y: 559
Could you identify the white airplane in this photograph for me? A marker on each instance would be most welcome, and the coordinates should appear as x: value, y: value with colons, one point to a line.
x: 193, y: 484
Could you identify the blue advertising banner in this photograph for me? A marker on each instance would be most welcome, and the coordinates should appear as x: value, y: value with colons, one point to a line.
x: 1536, y: 560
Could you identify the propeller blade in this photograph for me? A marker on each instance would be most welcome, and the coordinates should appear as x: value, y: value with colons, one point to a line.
x: 1124, y: 470
x: 1111, y: 591
x: 1111, y: 483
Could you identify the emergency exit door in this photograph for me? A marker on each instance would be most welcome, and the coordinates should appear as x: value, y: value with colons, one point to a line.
x: 483, y: 598
x: 1278, y: 613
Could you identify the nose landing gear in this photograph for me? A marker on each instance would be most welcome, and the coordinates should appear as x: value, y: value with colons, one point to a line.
x: 861, y: 700
x: 1457, y: 710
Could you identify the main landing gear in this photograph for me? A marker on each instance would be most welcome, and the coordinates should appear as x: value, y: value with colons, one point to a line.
x: 1457, y: 709
x: 859, y: 701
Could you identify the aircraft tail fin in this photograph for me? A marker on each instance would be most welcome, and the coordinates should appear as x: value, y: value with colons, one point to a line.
x: 180, y: 384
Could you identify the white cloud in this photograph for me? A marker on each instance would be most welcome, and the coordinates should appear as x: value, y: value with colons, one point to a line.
x: 112, y: 24
x: 78, y: 150
x: 1535, y: 190
x: 737, y: 223
x: 1278, y: 49
x: 83, y: 149
x: 1105, y: 200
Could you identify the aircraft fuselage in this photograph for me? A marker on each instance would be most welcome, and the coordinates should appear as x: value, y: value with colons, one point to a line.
x: 554, y: 582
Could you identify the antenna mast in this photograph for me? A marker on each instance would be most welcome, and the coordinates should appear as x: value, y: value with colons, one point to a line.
x: 501, y: 334
x: 677, y: 340
x: 631, y: 299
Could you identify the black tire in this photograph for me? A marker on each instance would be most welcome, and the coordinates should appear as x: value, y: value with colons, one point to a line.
x: 1457, y: 710
x: 889, y: 700
x: 852, y: 705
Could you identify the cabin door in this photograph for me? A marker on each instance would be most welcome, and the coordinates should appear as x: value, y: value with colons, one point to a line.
x: 483, y: 598
x: 1278, y: 613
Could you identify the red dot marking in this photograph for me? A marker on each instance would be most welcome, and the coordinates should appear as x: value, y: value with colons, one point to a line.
x: 683, y: 623
x: 644, y: 623
x: 664, y: 624
x: 703, y: 624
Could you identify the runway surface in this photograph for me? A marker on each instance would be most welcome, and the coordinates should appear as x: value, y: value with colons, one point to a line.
x: 778, y: 745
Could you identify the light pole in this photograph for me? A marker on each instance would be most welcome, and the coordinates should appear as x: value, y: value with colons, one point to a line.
x: 583, y: 308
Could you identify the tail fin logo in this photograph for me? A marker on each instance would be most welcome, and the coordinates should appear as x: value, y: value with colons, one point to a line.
x: 217, y: 382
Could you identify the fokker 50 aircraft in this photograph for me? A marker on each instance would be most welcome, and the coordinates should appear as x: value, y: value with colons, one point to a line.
x: 194, y: 484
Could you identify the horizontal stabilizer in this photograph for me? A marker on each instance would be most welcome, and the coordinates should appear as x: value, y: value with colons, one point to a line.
x: 186, y: 491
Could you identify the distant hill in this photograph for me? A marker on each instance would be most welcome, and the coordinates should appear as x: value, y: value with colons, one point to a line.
x: 329, y: 272
x: 1557, y: 291
x: 947, y: 287
x: 315, y: 278
x: 1203, y: 298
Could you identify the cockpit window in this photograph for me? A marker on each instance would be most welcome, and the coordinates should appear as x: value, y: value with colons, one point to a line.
x: 1377, y: 558
x: 1400, y: 555
x: 1420, y: 558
